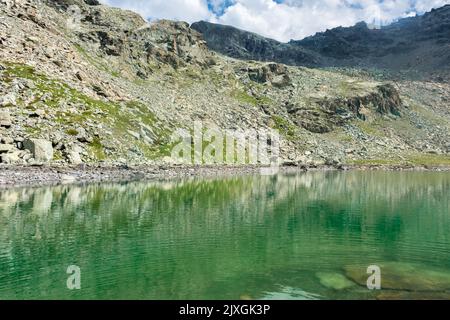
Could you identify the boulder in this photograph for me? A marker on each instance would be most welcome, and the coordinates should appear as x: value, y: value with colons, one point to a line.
x: 334, y: 281
x: 333, y: 161
x: 41, y: 149
x: 5, y: 119
x: 7, y: 140
x: 11, y: 158
x: 82, y: 135
x: 73, y: 156
x: 403, y: 276
x: 8, y: 100
x: 274, y: 73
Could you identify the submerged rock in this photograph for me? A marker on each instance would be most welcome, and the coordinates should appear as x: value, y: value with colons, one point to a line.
x: 408, y: 295
x: 334, y: 281
x: 403, y: 276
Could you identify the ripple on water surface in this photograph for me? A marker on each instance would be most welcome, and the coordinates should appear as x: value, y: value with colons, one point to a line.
x: 296, y: 236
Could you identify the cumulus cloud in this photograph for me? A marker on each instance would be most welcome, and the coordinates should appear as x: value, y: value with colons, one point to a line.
x: 296, y: 19
x: 186, y: 10
x: 281, y: 19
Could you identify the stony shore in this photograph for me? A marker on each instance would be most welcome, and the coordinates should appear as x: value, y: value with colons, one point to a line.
x: 16, y: 176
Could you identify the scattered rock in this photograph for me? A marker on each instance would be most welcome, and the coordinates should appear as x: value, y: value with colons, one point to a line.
x: 67, y: 178
x: 136, y: 135
x: 7, y: 140
x: 8, y: 100
x: 33, y: 39
x: 39, y: 113
x: 79, y: 75
x: 11, y: 158
x: 4, y: 148
x: 5, y: 119
x: 82, y: 135
x: 333, y: 161
x: 349, y: 151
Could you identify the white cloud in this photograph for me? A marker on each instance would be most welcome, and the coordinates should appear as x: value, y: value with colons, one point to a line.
x: 296, y: 19
x: 186, y: 10
x: 291, y: 19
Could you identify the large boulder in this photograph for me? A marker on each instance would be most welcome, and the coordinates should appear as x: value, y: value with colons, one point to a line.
x: 403, y: 276
x: 73, y: 156
x: 41, y: 149
x: 5, y: 119
x: 274, y: 73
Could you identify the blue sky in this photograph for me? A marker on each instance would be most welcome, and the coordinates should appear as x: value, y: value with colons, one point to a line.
x: 280, y: 19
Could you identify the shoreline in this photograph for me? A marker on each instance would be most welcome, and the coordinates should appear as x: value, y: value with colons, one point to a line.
x: 34, y: 176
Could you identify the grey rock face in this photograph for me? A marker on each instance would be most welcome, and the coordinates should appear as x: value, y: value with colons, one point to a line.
x: 250, y: 46
x: 41, y: 149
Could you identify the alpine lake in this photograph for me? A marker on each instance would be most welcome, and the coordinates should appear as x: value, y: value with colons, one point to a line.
x: 253, y: 237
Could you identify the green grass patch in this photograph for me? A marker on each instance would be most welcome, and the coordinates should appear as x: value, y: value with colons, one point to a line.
x: 429, y: 159
x: 245, y: 98
x: 72, y: 132
x: 377, y: 162
x: 285, y: 127
x: 96, y: 149
x: 369, y: 128
x: 116, y: 118
x: 96, y: 61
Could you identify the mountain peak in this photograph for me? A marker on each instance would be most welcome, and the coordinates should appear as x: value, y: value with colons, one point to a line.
x: 398, y: 46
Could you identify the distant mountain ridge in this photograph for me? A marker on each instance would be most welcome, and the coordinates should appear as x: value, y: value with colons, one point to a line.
x: 418, y: 43
x: 246, y: 45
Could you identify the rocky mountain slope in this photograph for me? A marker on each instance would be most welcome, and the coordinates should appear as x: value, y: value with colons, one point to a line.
x: 240, y: 44
x: 419, y: 43
x: 91, y: 84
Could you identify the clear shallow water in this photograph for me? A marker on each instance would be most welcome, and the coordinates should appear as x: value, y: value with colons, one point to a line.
x: 299, y: 236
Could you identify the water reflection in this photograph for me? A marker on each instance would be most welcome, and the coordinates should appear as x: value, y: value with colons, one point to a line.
x: 220, y: 238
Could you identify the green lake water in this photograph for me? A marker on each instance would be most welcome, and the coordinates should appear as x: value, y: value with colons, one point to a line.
x: 289, y: 236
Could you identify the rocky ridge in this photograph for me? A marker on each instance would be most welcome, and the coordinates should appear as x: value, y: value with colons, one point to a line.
x: 413, y: 44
